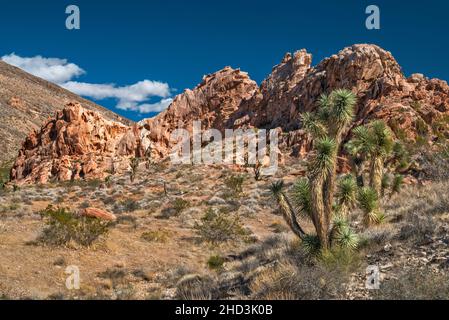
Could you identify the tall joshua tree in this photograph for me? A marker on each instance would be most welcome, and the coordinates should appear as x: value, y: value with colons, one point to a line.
x: 327, y: 127
x: 314, y: 196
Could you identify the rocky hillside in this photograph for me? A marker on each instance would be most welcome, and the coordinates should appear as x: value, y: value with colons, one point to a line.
x: 77, y: 144
x: 26, y: 102
x: 212, y: 102
x: 416, y: 108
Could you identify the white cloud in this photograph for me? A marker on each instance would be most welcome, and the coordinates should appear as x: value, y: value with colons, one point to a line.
x: 153, y: 107
x: 133, y: 97
x: 51, y: 69
x: 129, y: 97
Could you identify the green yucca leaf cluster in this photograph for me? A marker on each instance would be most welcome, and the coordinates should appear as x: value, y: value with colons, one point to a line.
x: 347, y: 238
x: 368, y: 201
x: 302, y: 197
x: 324, y: 158
x: 343, y: 235
x: 311, y: 244
x: 276, y: 188
x: 347, y: 191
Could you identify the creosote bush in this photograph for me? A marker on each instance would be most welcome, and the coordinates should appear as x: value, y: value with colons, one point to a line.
x: 180, y: 205
x: 217, y: 226
x: 62, y: 227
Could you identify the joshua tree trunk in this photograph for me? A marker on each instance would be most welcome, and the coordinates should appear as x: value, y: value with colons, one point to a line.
x: 376, y: 172
x: 320, y: 220
x: 289, y: 216
x: 330, y: 181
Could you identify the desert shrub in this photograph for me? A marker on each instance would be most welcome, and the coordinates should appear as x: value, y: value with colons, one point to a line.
x: 130, y: 205
x: 156, y: 236
x: 62, y: 226
x: 342, y: 260
x: 115, y: 275
x: 196, y: 287
x: 298, y: 282
x: 235, y: 183
x: 375, y: 237
x: 215, y: 262
x: 128, y: 220
x: 84, y: 205
x: 417, y: 227
x: 216, y: 227
x: 434, y: 166
x: 415, y: 285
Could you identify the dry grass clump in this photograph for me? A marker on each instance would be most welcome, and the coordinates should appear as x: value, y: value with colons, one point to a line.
x: 196, y: 287
x: 415, y: 285
x: 324, y: 277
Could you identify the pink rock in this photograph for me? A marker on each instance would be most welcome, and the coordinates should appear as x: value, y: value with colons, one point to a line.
x: 97, y: 213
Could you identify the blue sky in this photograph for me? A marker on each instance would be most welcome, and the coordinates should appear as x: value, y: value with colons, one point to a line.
x: 177, y: 42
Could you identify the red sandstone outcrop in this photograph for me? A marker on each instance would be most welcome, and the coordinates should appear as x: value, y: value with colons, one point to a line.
x: 82, y: 144
x: 411, y: 106
x: 212, y: 102
x: 77, y: 143
x: 97, y: 213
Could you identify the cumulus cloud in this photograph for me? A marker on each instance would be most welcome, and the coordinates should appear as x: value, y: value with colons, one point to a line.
x: 153, y: 107
x: 51, y: 69
x: 133, y: 97
x: 129, y: 97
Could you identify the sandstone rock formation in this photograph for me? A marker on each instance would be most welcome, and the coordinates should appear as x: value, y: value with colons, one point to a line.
x: 212, y: 102
x: 82, y: 144
x: 410, y: 105
x: 77, y: 143
x: 97, y: 213
x: 26, y: 102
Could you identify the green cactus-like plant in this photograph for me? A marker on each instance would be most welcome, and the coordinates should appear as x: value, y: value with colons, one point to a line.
x: 375, y: 142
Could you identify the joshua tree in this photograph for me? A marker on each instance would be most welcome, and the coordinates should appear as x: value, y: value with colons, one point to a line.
x: 375, y: 142
x: 286, y: 208
x: 314, y: 196
x: 327, y: 127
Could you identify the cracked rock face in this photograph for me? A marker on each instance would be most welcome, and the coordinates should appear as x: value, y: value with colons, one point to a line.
x: 212, y: 102
x: 79, y: 143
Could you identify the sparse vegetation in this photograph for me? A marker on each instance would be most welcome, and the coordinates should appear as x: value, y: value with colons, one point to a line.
x: 4, y: 174
x: 180, y: 205
x: 215, y: 262
x: 235, y: 184
x: 62, y: 227
x: 415, y: 285
x: 216, y: 227
x: 134, y: 167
